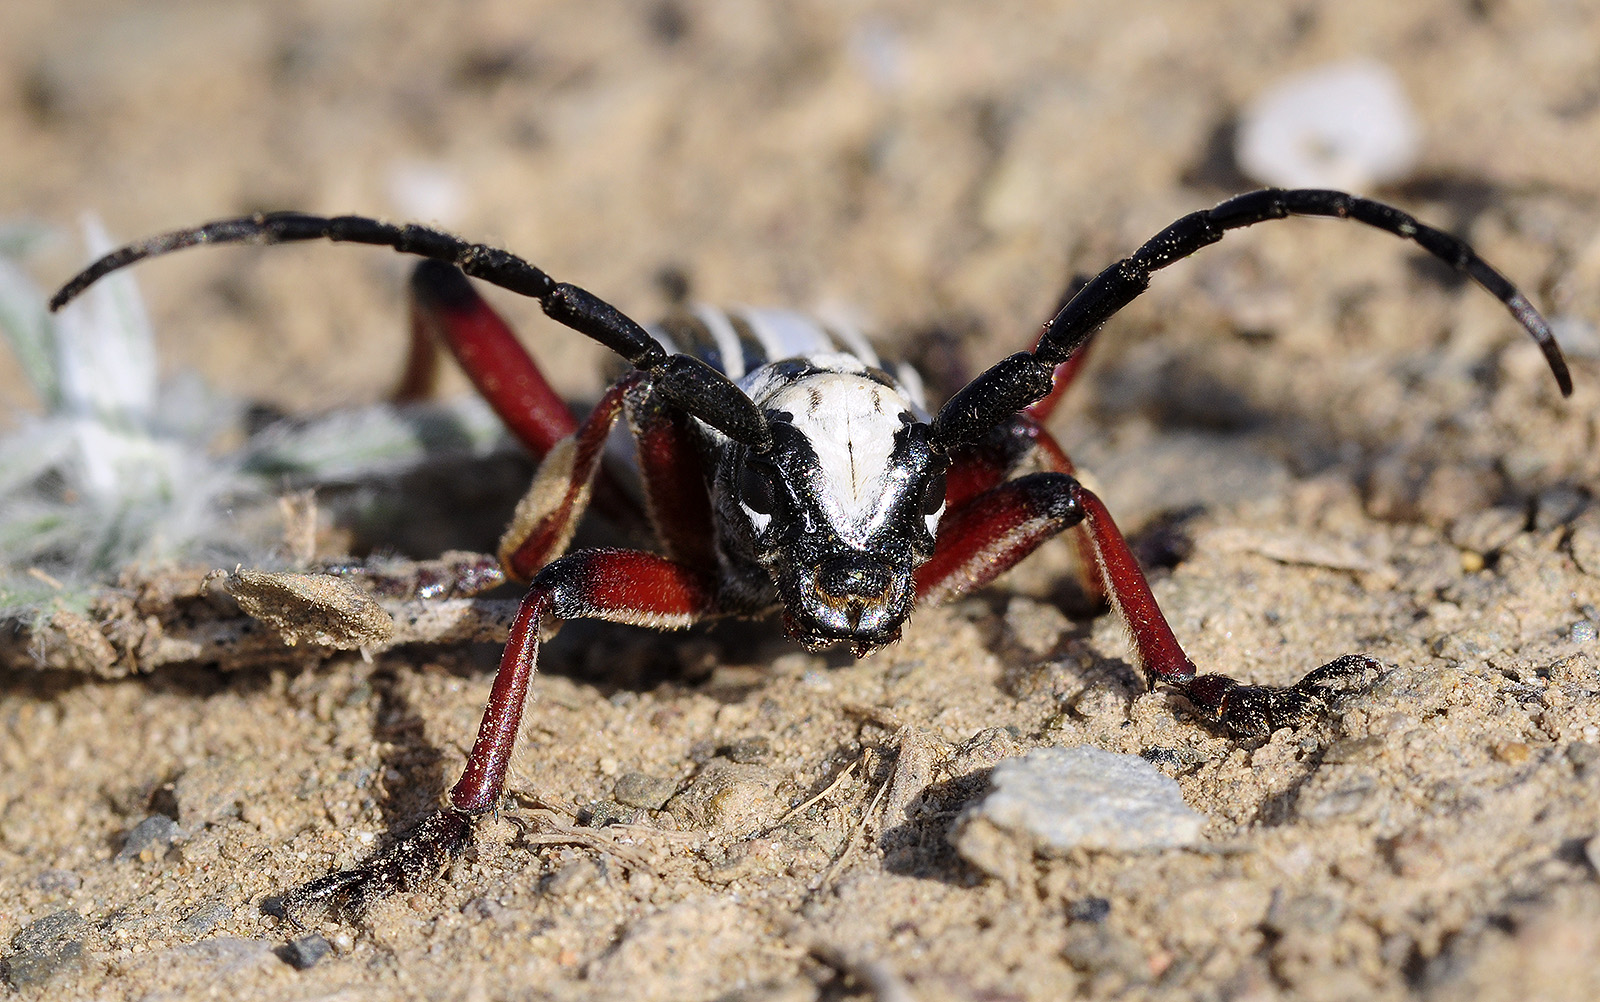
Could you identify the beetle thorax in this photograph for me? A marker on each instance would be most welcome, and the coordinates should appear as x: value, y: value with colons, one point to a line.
x: 850, y: 423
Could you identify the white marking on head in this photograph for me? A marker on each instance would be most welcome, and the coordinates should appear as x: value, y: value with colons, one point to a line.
x: 851, y: 421
x: 758, y: 520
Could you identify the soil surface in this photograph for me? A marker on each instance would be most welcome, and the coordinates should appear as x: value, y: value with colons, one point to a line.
x: 1321, y: 443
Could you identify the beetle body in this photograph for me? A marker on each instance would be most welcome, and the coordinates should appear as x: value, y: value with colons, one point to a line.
x: 782, y: 468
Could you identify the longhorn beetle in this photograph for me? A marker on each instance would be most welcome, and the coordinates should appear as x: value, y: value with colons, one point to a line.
x: 783, y: 468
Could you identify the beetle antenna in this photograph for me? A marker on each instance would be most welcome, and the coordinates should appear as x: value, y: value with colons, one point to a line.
x: 686, y: 381
x: 1023, y: 378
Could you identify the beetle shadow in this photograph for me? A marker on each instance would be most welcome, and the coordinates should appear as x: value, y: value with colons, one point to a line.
x: 410, y: 765
x: 725, y: 659
x: 452, y: 502
x: 920, y: 845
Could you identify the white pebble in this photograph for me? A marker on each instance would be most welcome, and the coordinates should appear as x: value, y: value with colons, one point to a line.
x: 426, y: 191
x: 1060, y: 799
x: 1344, y: 125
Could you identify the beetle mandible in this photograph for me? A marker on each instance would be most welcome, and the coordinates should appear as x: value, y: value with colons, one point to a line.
x: 784, y: 469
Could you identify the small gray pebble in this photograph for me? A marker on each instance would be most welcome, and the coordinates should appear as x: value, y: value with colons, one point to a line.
x: 1172, y: 759
x: 635, y: 789
x: 57, y: 880
x: 728, y: 795
x: 606, y: 812
x: 155, y: 833
x: 1585, y: 548
x: 1097, y: 950
x: 1354, y: 751
x: 55, y: 927
x: 1489, y: 529
x: 747, y: 751
x: 44, y: 948
x: 1584, y: 756
x: 1316, y: 913
x: 1339, y: 802
x: 225, y: 955
x: 1558, y: 506
x: 209, y: 792
x: 304, y: 953
x: 573, y: 877
x: 204, y: 918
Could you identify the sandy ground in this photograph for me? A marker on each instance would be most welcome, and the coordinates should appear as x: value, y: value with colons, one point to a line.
x: 1361, y: 456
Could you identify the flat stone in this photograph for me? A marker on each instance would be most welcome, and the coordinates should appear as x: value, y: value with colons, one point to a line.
x: 219, y: 957
x: 1345, y: 125
x: 46, y: 947
x: 1054, y: 800
x: 1585, y: 548
x: 692, y: 950
x: 57, y: 881
x: 210, y: 792
x: 1585, y: 758
x: 1111, y: 957
x: 601, y: 813
x: 150, y: 839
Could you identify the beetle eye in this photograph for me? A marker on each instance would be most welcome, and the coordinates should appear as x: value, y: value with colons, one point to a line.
x: 758, y: 488
x: 933, y: 494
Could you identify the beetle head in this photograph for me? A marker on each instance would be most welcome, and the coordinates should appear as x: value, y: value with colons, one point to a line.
x: 842, y: 510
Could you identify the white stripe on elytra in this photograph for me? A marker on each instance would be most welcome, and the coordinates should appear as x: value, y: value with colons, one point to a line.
x: 772, y: 345
x: 727, y: 339
x: 911, y: 380
x: 852, y: 340
x: 660, y: 334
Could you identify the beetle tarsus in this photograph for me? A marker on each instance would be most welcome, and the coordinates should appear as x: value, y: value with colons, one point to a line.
x: 407, y: 865
x: 1255, y: 711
